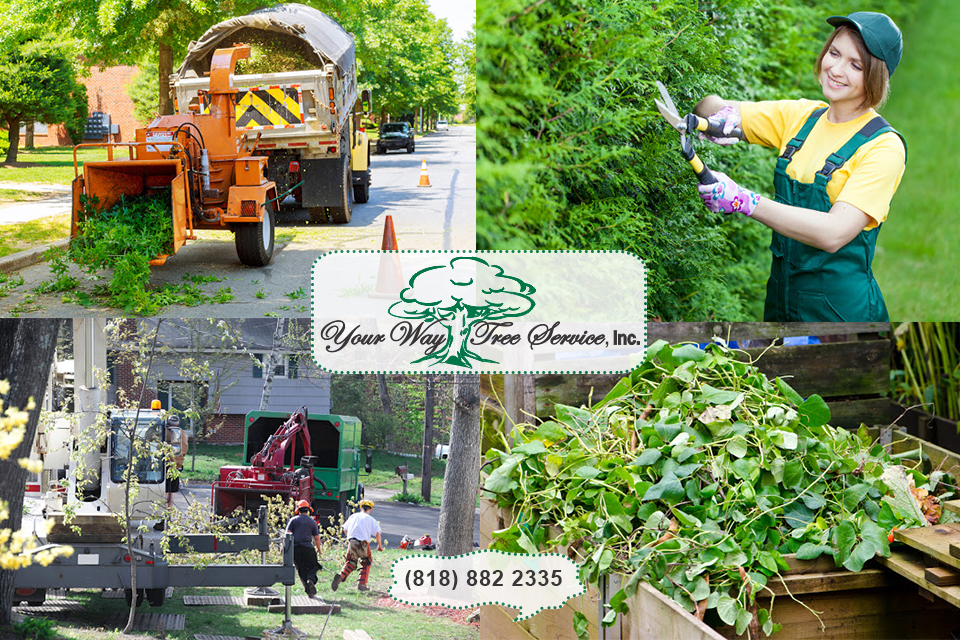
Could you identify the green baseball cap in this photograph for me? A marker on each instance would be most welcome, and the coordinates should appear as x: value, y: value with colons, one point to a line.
x: 880, y: 34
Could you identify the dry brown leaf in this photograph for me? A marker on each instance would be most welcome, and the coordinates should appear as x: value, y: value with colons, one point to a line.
x: 715, y: 414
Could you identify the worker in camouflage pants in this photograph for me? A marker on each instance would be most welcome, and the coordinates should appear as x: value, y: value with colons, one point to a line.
x: 359, y: 528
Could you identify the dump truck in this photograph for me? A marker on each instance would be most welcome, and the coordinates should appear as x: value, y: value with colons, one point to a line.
x: 94, y: 490
x: 206, y: 163
x: 86, y: 462
x: 298, y: 456
x: 96, y: 486
x: 305, y: 121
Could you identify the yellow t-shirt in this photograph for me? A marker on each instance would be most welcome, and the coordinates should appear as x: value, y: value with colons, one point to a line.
x: 867, y: 181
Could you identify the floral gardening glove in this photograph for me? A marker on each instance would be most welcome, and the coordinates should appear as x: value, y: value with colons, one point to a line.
x: 726, y: 196
x: 730, y: 119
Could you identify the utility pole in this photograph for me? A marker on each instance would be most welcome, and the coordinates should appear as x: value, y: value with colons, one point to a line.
x: 427, y: 467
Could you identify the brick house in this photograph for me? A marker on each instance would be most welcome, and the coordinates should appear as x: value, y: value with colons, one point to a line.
x: 106, y: 94
x: 237, y: 374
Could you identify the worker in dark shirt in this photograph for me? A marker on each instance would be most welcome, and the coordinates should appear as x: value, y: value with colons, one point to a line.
x: 306, y: 537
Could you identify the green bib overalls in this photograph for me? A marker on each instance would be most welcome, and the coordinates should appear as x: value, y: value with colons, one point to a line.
x: 809, y: 284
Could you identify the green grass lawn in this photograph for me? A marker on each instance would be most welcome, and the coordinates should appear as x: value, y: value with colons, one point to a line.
x: 359, y: 611
x: 205, y: 466
x: 917, y: 263
x: 48, y: 165
x: 209, y: 459
x: 384, y: 476
x: 26, y: 235
x: 15, y: 195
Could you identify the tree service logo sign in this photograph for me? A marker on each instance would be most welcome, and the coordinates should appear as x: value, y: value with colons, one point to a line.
x: 483, y: 311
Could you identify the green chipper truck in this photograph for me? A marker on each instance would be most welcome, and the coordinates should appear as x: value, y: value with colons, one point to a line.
x: 299, y: 456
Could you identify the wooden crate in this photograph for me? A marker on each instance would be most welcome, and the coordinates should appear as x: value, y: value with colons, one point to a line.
x: 875, y: 603
x: 850, y: 372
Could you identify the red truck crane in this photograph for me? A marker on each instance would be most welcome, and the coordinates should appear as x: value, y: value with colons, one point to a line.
x: 272, y: 472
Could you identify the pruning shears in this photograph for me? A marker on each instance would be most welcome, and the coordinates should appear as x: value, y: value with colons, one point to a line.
x: 692, y: 123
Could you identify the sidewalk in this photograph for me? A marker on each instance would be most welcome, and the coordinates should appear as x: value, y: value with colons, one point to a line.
x: 58, y: 203
x: 39, y: 187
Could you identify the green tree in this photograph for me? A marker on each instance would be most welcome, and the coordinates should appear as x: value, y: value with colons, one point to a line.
x: 404, y: 53
x: 38, y: 82
x: 467, y: 70
x: 119, y: 31
x: 143, y: 92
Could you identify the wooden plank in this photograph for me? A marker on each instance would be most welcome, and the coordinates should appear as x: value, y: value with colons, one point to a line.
x: 825, y: 582
x: 150, y: 621
x: 204, y: 601
x: 941, y: 576
x: 952, y: 505
x: 909, y: 564
x: 653, y: 615
x: 891, y: 613
x: 934, y: 541
x: 832, y: 369
x: 821, y: 564
x: 704, y: 331
x: 850, y: 414
x: 497, y: 624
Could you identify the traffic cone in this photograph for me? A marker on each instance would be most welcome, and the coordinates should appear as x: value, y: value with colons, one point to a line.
x: 389, y: 236
x: 390, y: 276
x: 424, y: 178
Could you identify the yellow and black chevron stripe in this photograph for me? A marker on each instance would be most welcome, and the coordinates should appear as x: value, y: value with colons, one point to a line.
x: 273, y: 107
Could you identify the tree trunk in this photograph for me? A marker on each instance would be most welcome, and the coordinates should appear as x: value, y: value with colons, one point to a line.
x: 13, y: 135
x: 426, y: 466
x: 26, y: 353
x: 165, y: 69
x: 462, y: 479
x: 28, y: 140
x: 387, y: 405
x: 270, y: 363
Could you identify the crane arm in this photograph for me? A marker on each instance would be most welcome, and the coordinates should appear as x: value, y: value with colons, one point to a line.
x: 275, y: 448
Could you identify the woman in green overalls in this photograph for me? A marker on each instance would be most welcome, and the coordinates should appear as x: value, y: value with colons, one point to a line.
x: 840, y: 164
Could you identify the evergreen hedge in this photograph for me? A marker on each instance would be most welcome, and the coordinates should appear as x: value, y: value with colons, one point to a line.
x: 572, y: 153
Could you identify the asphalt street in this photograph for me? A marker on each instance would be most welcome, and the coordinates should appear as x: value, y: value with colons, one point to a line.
x: 442, y: 216
x: 396, y: 519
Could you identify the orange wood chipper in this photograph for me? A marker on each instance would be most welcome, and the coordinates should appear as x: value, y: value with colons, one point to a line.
x: 215, y: 183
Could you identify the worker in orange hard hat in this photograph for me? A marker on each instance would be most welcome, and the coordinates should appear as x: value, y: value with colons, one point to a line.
x: 306, y: 546
x: 359, y: 528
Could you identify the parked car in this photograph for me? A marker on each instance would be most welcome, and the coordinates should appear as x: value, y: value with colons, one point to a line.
x: 442, y: 452
x: 395, y: 135
x: 442, y: 124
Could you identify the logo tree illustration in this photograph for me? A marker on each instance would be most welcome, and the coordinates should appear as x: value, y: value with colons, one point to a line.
x: 458, y: 296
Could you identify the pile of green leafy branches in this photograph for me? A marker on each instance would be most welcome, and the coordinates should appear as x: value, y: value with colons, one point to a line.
x: 698, y: 474
x: 123, y: 239
x: 572, y: 153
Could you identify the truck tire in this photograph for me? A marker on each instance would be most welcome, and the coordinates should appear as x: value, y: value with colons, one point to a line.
x: 128, y: 596
x: 318, y: 215
x: 341, y: 213
x: 412, y: 146
x: 155, y: 597
x: 381, y: 150
x: 361, y: 192
x: 255, y: 240
x: 345, y: 509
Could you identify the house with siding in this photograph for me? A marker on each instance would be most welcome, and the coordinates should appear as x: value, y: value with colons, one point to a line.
x: 232, y: 381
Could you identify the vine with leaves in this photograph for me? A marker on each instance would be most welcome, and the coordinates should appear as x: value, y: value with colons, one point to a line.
x: 698, y: 475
